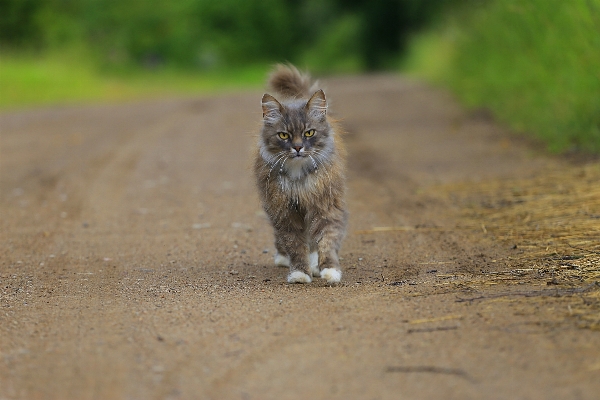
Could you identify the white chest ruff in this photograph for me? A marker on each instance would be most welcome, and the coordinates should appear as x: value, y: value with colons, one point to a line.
x: 301, y: 189
x: 295, y: 168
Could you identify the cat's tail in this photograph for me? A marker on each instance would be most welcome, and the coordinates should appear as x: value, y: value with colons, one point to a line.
x: 286, y: 80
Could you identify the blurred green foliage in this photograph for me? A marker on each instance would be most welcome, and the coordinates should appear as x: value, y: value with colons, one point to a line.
x: 327, y: 35
x: 534, y: 63
x: 33, y: 80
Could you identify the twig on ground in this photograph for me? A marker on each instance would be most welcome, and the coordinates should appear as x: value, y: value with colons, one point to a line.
x: 398, y: 229
x: 436, y: 319
x: 534, y: 293
x: 439, y: 328
x: 430, y: 369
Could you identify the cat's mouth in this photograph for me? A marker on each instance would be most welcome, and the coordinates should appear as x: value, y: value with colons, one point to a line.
x: 295, y: 159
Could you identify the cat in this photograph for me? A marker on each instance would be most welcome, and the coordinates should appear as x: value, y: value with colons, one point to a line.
x: 299, y: 169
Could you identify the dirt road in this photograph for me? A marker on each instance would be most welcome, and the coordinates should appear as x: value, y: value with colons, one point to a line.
x: 136, y: 262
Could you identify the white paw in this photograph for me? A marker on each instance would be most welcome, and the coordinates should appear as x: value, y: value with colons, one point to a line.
x: 281, y: 260
x: 332, y: 275
x: 313, y: 263
x: 298, y: 277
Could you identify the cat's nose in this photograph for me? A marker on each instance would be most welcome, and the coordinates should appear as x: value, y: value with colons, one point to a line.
x: 298, y: 148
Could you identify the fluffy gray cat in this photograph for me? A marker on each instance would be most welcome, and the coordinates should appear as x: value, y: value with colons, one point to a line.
x: 299, y: 168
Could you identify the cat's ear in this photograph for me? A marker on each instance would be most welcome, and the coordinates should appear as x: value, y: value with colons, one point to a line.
x: 271, y: 108
x: 316, y: 107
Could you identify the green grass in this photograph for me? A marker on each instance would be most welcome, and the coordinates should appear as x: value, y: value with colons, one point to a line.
x: 29, y: 81
x: 534, y: 63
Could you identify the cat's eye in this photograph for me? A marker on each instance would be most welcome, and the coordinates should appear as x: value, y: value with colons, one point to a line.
x: 309, y: 133
x: 283, y: 135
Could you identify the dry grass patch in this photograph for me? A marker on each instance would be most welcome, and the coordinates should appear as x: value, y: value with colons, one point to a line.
x: 552, y: 222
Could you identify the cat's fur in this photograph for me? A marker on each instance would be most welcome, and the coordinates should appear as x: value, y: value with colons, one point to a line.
x: 301, y: 179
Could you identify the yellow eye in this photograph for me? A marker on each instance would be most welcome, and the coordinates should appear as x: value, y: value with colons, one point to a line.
x: 309, y: 133
x: 283, y: 135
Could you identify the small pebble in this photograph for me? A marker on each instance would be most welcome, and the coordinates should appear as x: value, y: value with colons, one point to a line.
x: 200, y: 226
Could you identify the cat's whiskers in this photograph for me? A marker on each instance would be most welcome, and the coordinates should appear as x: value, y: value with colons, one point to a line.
x: 313, y: 161
x: 269, y: 159
x: 280, y: 172
x: 274, y: 157
x: 278, y: 157
x: 322, y: 154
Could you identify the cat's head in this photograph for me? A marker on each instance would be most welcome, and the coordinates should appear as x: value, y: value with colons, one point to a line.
x: 296, y: 130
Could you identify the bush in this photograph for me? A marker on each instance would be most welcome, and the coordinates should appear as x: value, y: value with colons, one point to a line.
x: 338, y: 49
x: 351, y: 35
x: 534, y: 63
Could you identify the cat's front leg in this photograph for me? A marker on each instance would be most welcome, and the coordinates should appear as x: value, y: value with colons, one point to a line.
x: 331, y: 232
x: 313, y: 259
x: 295, y: 246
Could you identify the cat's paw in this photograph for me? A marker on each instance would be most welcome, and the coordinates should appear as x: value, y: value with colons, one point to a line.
x: 332, y: 275
x: 281, y: 260
x: 313, y: 263
x: 298, y: 277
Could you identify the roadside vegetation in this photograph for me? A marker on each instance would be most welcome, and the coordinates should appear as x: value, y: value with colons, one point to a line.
x: 534, y: 63
x: 64, y: 51
x: 63, y: 78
